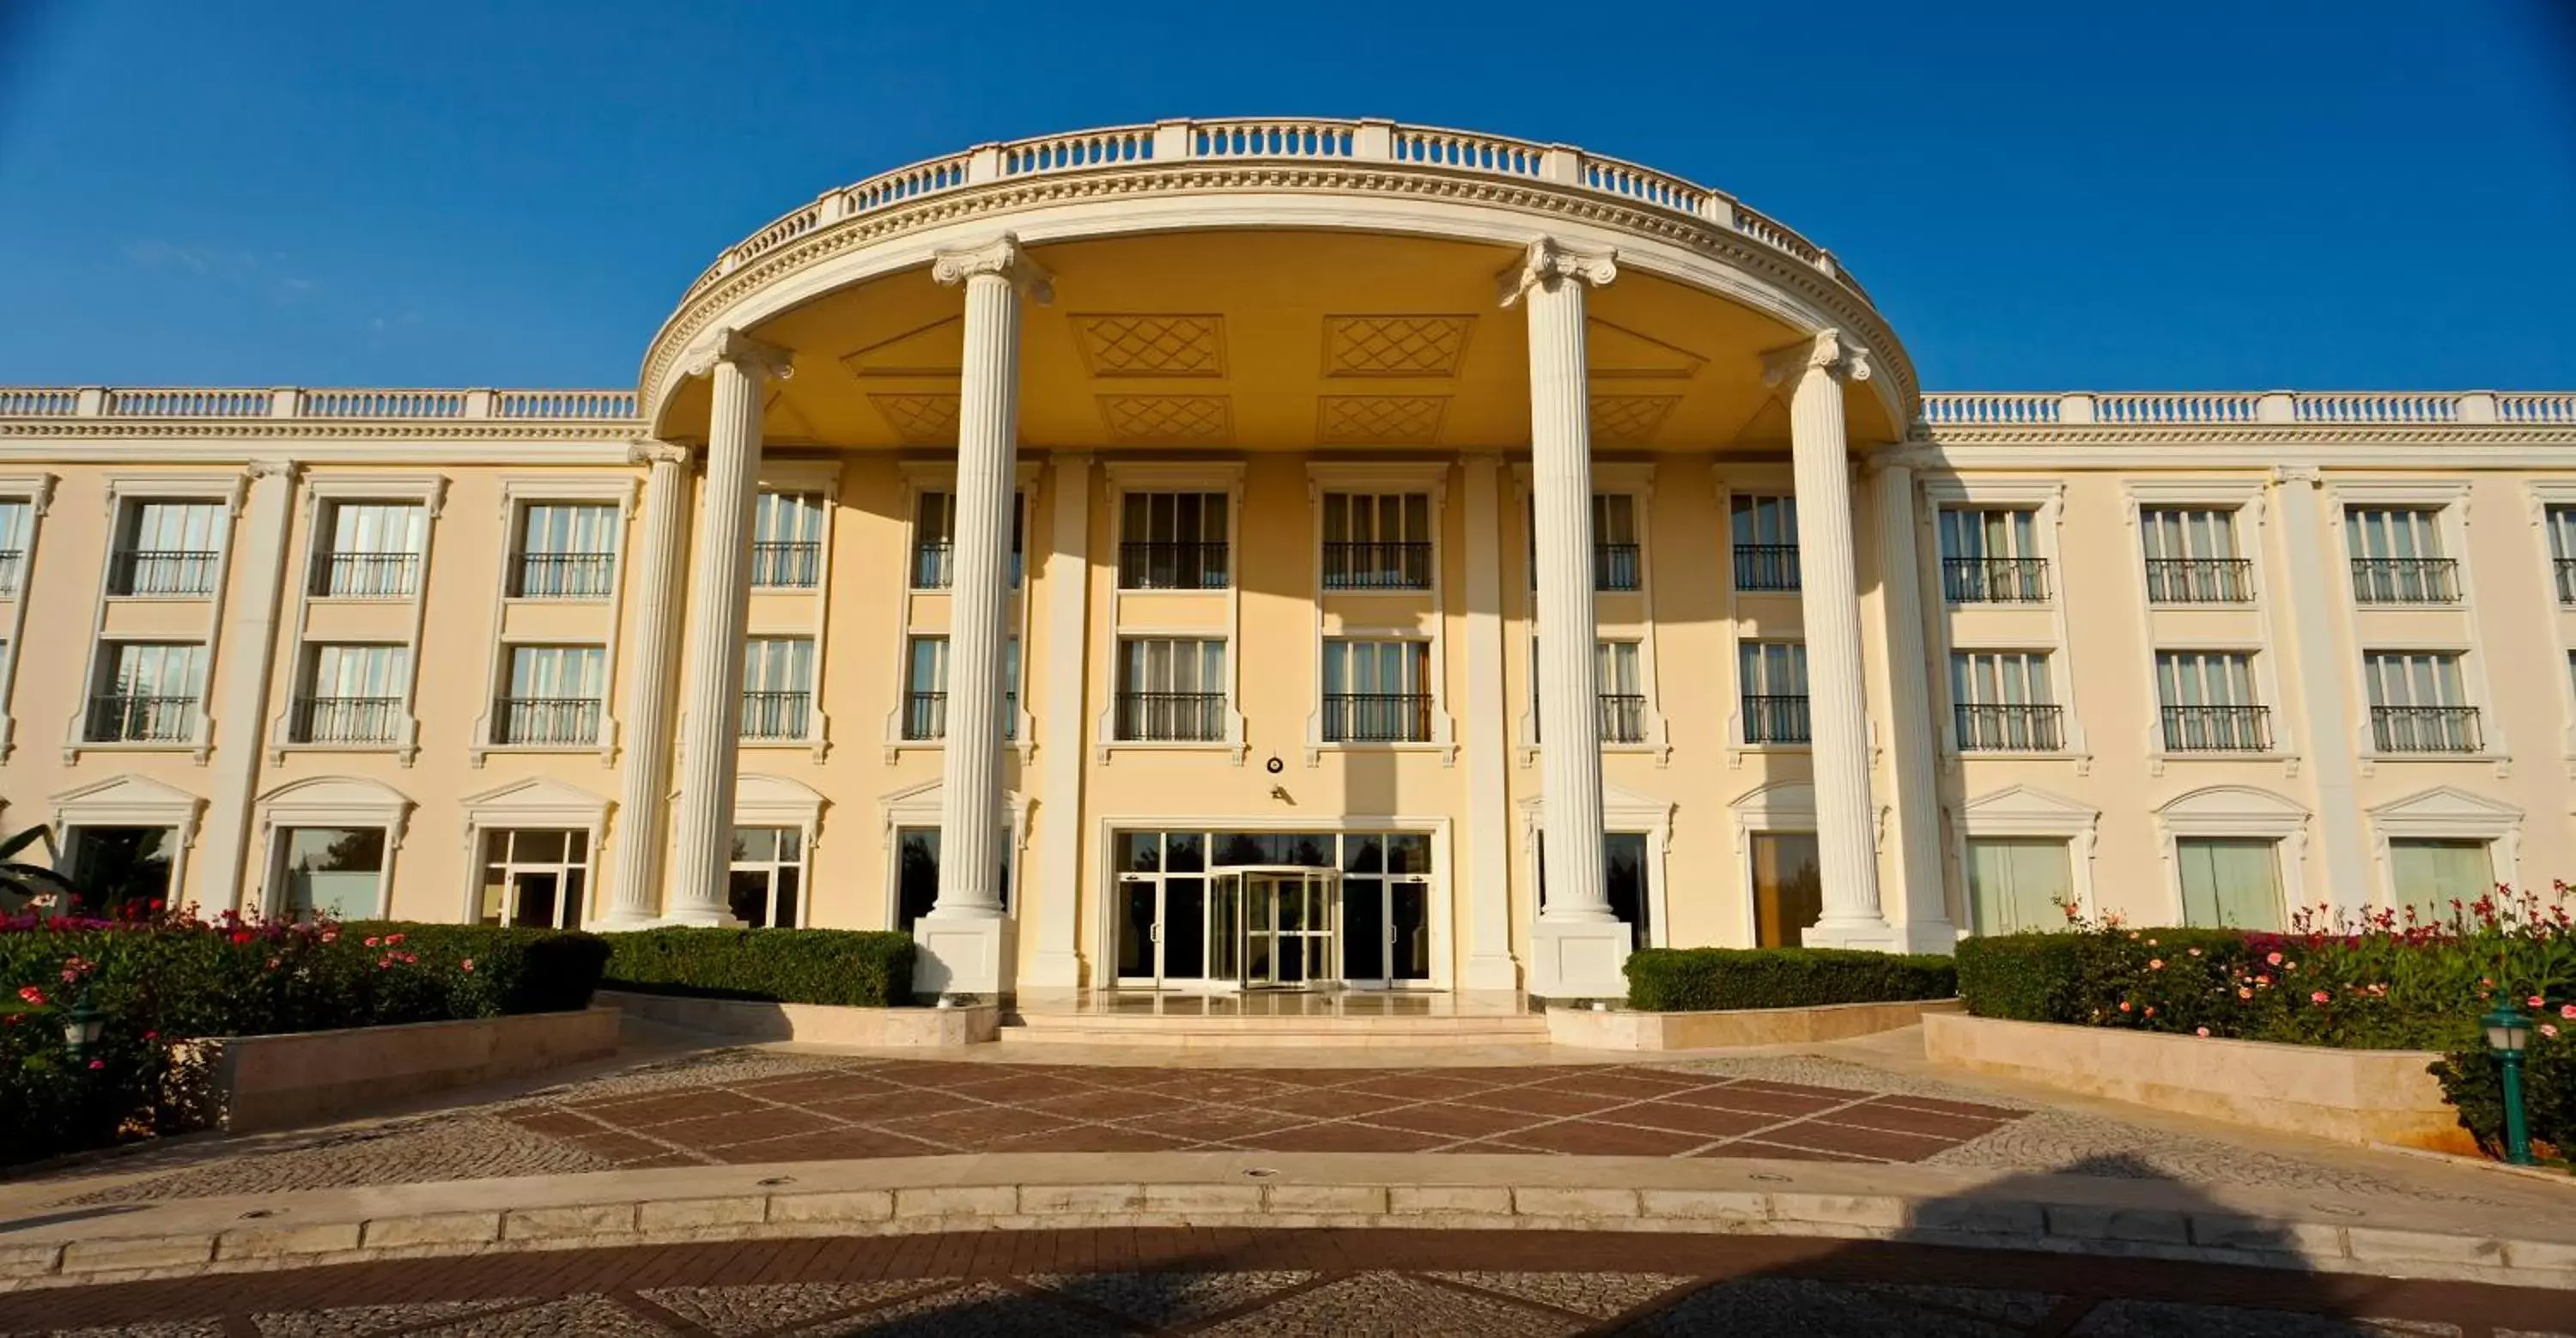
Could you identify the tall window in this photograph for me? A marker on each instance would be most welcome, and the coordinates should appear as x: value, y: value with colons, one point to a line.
x: 1377, y: 541
x: 373, y: 551
x: 2233, y: 882
x: 17, y: 526
x: 1765, y: 530
x: 2434, y: 879
x: 1773, y: 677
x: 1788, y: 888
x: 567, y: 550
x: 777, y: 687
x: 2562, y: 550
x: 766, y: 876
x: 2019, y: 883
x: 1171, y: 690
x: 168, y: 548
x: 1991, y: 556
x: 917, y: 873
x: 352, y: 694
x: 1377, y: 691
x: 2397, y: 556
x: 331, y: 873
x: 1174, y: 541
x: 787, y: 541
x: 934, y: 539
x: 925, y: 710
x: 2418, y: 703
x: 554, y: 696
x: 2003, y: 701
x: 148, y: 693
x: 2206, y: 698
x: 1623, y: 691
x: 2191, y: 557
x: 534, y: 877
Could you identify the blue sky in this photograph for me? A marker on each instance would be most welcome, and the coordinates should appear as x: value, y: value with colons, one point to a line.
x: 2259, y: 193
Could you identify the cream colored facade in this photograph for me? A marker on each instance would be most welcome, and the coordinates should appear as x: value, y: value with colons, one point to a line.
x: 1216, y: 478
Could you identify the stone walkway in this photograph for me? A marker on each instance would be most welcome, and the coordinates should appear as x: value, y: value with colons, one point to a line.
x: 1284, y: 1283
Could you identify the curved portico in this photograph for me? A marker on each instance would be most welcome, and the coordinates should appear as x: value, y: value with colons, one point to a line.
x: 1354, y: 292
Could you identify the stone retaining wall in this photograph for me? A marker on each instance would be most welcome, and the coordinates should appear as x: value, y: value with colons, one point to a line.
x: 822, y: 1024
x: 268, y: 1082
x: 1618, y: 1030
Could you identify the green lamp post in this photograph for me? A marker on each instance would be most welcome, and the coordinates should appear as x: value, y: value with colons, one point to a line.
x: 82, y: 1025
x: 2508, y: 1035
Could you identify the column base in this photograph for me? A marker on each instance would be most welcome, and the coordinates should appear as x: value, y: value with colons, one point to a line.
x: 1490, y: 973
x: 1935, y: 936
x: 620, y: 922
x: 964, y: 954
x: 1866, y: 934
x: 1579, y: 959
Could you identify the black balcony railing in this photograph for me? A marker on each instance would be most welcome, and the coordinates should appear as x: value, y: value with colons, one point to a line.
x: 1377, y: 566
x: 1617, y: 567
x: 1766, y: 566
x: 1377, y: 717
x: 1994, y: 580
x: 1174, y: 566
x: 366, y: 575
x: 546, y: 720
x: 2009, y: 729
x: 925, y: 715
x: 564, y: 575
x: 125, y: 717
x: 934, y: 565
x: 1171, y: 717
x: 1775, y: 719
x: 775, y: 715
x: 2218, y: 729
x: 787, y: 564
x: 13, y: 570
x: 2425, y: 729
x: 2414, y: 580
x: 2200, y: 580
x: 168, y: 572
x: 1623, y: 717
x: 2566, y: 580
x: 346, y: 720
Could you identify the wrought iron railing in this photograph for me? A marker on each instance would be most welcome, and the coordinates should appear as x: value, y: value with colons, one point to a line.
x: 1617, y: 567
x: 1766, y: 566
x: 2412, y: 580
x: 1994, y: 580
x: 1156, y: 565
x: 125, y: 717
x: 366, y: 575
x: 1623, y: 717
x: 2200, y: 580
x: 564, y: 575
x: 1377, y: 717
x: 13, y: 570
x: 776, y: 715
x: 2010, y: 729
x: 2425, y: 729
x: 1775, y: 718
x: 2566, y: 580
x: 346, y: 719
x: 787, y: 564
x: 1377, y: 566
x: 163, y: 572
x: 1170, y: 717
x: 545, y: 720
x: 2218, y: 729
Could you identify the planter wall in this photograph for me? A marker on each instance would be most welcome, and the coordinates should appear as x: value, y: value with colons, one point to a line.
x: 2353, y: 1096
x: 268, y: 1082
x: 821, y: 1024
x: 1734, y: 1027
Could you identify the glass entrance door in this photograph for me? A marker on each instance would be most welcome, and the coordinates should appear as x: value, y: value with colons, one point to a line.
x: 1289, y: 918
x: 1233, y: 929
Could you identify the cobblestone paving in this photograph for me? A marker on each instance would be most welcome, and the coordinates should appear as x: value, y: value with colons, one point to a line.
x: 1285, y: 1285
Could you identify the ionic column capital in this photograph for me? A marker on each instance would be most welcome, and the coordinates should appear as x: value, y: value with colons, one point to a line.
x: 656, y: 453
x: 1828, y: 352
x: 1003, y: 256
x: 1548, y: 263
x: 747, y: 354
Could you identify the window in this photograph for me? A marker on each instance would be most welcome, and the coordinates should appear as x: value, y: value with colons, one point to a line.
x: 917, y: 874
x: 554, y: 696
x: 534, y: 878
x: 2562, y: 549
x: 1386, y: 907
x: 1377, y: 691
x: 2397, y: 556
x: 1991, y: 556
x: 1171, y: 690
x: 1376, y: 541
x: 767, y: 873
x: 1617, y: 561
x: 925, y: 706
x: 1788, y: 888
x: 777, y: 687
x: 148, y: 693
x: 352, y: 694
x: 567, y: 550
x: 122, y: 868
x: 1773, y: 677
x: 2434, y: 880
x: 1623, y: 692
x: 2230, y: 882
x: 1766, y: 542
x: 1174, y: 541
x: 17, y: 526
x: 2191, y: 557
x: 787, y: 541
x: 2207, y: 703
x: 2003, y: 702
x: 2018, y: 883
x: 331, y: 873
x: 2417, y: 704
x: 934, y: 539
x: 371, y: 551
x: 168, y: 548
x: 1623, y: 878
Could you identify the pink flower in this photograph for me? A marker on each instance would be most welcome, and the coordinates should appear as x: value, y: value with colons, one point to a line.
x: 371, y: 940
x: 2124, y: 1005
x: 2155, y: 963
x: 2568, y: 1011
x: 2200, y: 1031
x: 98, y: 1063
x: 272, y: 963
x: 2319, y: 997
x: 393, y: 938
x: 2151, y: 1010
x: 152, y: 1036
x: 2195, y: 952
x: 2549, y: 1031
x: 32, y: 995
x: 2243, y: 993
x: 2273, y: 958
x: 467, y: 964
x: 330, y: 935
x: 2537, y: 1002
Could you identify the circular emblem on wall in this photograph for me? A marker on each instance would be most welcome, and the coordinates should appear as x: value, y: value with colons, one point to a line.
x: 1276, y: 766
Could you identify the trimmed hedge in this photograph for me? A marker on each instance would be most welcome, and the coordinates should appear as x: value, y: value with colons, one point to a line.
x: 858, y: 968
x: 2074, y: 977
x: 1695, y: 980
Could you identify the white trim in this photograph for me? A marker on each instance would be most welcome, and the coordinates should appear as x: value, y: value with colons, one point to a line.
x: 122, y: 488
x: 788, y: 476
x: 539, y: 802
x: 928, y: 476
x: 1782, y: 613
x: 2046, y: 497
x: 1781, y: 807
x: 1623, y: 812
x: 2449, y: 500
x: 2236, y: 811
x: 2028, y: 811
x: 1126, y: 476
x: 517, y: 494
x: 2446, y: 812
x: 328, y: 801
x: 37, y: 490
x: 1634, y: 479
x: 429, y: 492
x: 2539, y: 497
x: 763, y: 800
x: 2245, y: 499
x: 1382, y: 478
x: 134, y: 801
x: 919, y: 806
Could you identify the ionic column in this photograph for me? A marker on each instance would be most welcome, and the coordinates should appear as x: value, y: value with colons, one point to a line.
x: 635, y: 858
x: 1838, y: 721
x: 1577, y: 945
x: 711, y: 727
x: 1909, y: 709
x: 966, y: 939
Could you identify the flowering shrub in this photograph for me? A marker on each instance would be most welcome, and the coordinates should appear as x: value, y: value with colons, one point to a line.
x: 2384, y: 980
x: 859, y: 968
x: 160, y: 980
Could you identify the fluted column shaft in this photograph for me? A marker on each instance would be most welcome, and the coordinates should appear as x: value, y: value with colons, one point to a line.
x: 1569, y: 694
x: 1909, y: 705
x: 970, y: 808
x: 635, y: 857
x: 711, y: 730
x: 1846, y: 852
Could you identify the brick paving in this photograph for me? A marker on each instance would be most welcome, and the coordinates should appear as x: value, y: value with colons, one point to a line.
x: 906, y: 1108
x: 1241, y: 1283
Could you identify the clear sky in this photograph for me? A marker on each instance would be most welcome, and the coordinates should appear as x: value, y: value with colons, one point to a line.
x: 2162, y: 194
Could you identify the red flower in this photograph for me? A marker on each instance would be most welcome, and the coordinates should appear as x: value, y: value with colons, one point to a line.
x: 2537, y: 1002
x: 2567, y: 1011
x: 98, y: 1063
x: 241, y: 936
x: 2272, y: 958
x: 2319, y: 997
x: 272, y: 963
x: 393, y: 938
x: 35, y: 997
x: 372, y: 940
x: 467, y: 964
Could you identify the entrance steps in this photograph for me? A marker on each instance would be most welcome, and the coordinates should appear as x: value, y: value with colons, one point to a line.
x: 1210, y: 1022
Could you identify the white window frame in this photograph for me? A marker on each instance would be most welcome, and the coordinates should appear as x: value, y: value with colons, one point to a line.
x: 1623, y: 813
x: 2456, y: 627
x: 919, y: 806
x: 136, y: 801
x: 533, y: 803
x: 2026, y: 812
x: 2246, y: 628
x: 328, y: 801
x: 37, y: 492
x: 2446, y: 813
x: 229, y: 489
x: 570, y: 621
x: 1151, y: 613
x: 1636, y: 479
x: 811, y: 688
x: 2235, y: 812
x: 1387, y: 615
x: 924, y: 611
x: 1738, y: 744
x: 317, y: 621
x: 794, y: 611
x: 1990, y: 627
x: 2539, y: 498
x: 508, y: 674
x: 1780, y: 808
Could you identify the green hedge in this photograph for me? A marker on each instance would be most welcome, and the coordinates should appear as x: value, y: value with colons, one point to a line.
x: 864, y: 968
x: 1692, y: 980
